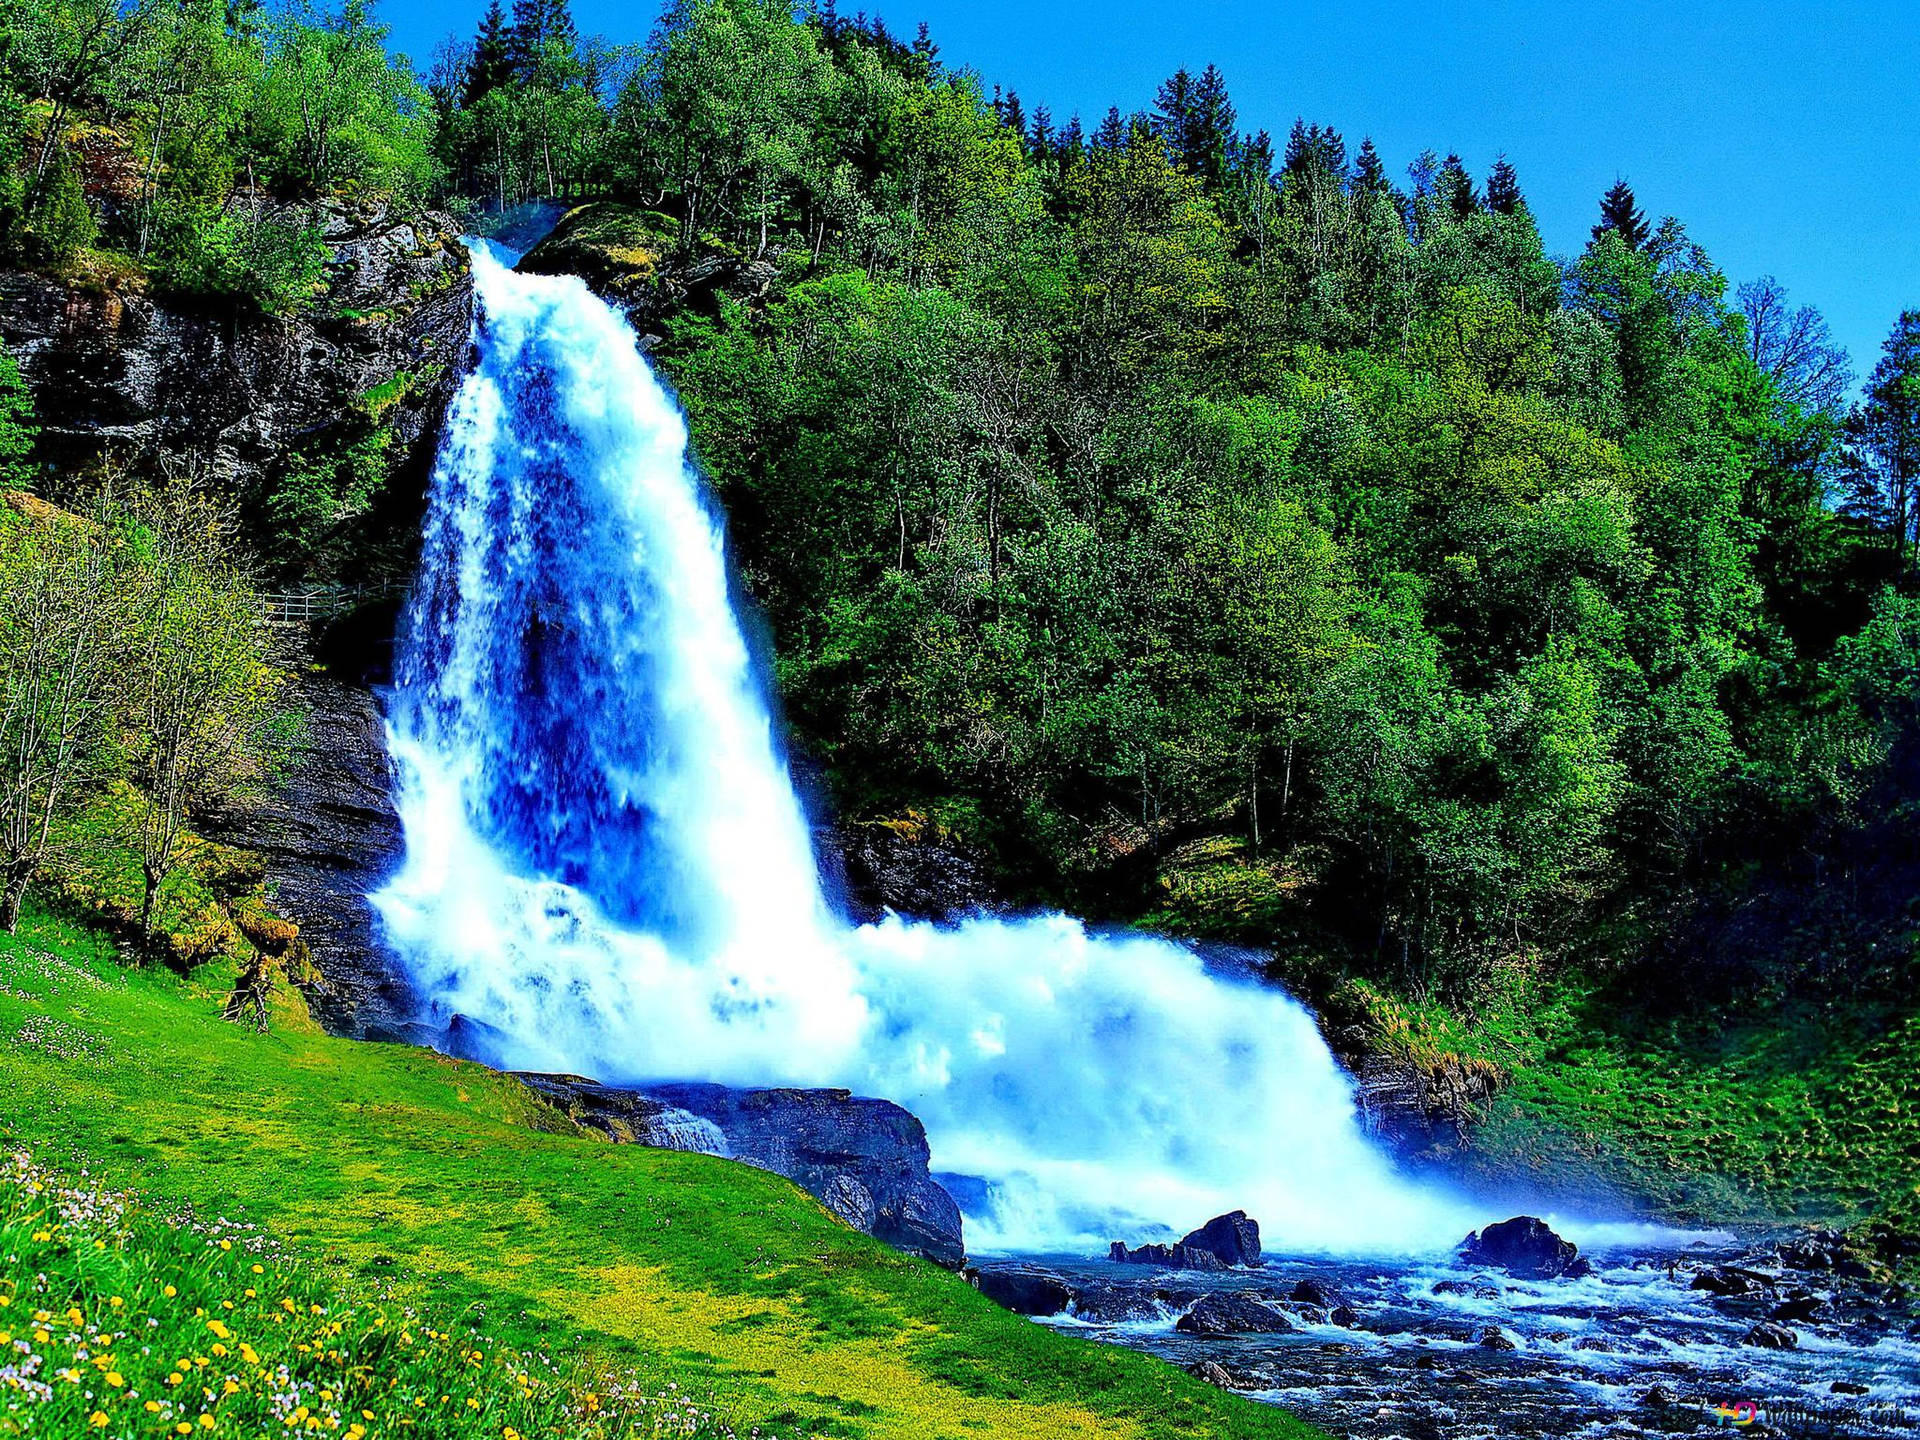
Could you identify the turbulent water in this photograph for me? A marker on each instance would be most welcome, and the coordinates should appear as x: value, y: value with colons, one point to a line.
x: 608, y: 870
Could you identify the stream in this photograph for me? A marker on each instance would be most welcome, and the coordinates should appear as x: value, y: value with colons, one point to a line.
x: 1628, y: 1350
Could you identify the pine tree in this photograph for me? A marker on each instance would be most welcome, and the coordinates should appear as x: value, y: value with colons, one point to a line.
x: 1040, y: 137
x: 926, y: 55
x: 1619, y: 213
x: 1370, y: 175
x: 1456, y: 187
x: 1112, y: 134
x: 539, y: 28
x: 1013, y: 116
x: 1883, y: 480
x: 1503, y: 189
x: 1173, y: 111
x: 491, y: 65
x: 1073, y: 142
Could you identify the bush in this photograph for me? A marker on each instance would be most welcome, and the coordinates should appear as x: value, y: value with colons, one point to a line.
x: 263, y: 260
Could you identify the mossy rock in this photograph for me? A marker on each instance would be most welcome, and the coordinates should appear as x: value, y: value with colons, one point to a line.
x: 617, y: 249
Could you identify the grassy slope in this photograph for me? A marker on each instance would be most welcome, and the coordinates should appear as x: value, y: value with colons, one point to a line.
x: 1803, y: 1112
x: 400, y: 1163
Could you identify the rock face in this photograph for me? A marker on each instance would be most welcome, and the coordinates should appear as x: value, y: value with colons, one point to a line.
x: 906, y: 866
x: 329, y: 836
x: 1523, y: 1246
x: 1171, y: 1257
x: 159, y: 384
x: 865, y: 1160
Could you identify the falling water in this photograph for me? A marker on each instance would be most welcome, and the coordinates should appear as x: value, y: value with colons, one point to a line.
x: 608, y: 871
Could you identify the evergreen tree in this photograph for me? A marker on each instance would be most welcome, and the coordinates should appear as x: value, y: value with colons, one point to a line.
x: 1369, y: 176
x: 540, y: 27
x: 1040, y: 136
x: 1619, y: 212
x: 491, y: 64
x: 1013, y: 116
x: 1112, y: 134
x: 1456, y: 187
x: 1503, y: 189
x: 926, y: 55
x: 1883, y: 481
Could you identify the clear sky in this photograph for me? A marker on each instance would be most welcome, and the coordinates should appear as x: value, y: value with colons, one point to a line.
x: 1786, y: 136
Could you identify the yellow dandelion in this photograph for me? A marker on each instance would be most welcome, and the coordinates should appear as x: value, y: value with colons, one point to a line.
x: 226, y: 1244
x: 115, y: 1379
x: 98, y: 1419
x: 169, y: 1292
x: 206, y: 1421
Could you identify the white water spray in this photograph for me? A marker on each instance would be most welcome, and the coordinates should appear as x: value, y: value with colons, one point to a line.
x: 608, y: 870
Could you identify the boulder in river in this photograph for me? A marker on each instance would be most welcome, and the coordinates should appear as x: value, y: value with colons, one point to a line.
x: 1173, y: 1257
x: 1524, y: 1246
x: 1233, y: 1315
x: 1315, y: 1292
x: 1223, y: 1242
x: 1494, y: 1338
x: 1769, y: 1335
x: 1214, y: 1373
x: 1729, y: 1280
x: 1026, y: 1289
x: 1234, y: 1237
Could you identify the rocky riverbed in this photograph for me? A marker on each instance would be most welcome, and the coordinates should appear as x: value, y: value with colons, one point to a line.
x: 1667, y: 1334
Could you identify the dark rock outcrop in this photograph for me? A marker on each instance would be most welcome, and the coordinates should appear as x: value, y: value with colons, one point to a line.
x: 1234, y: 1237
x: 865, y: 1160
x: 910, y: 867
x: 328, y: 836
x: 632, y: 258
x: 1230, y: 1314
x: 1026, y: 1289
x: 1223, y: 1242
x: 1769, y: 1335
x: 162, y: 385
x: 1524, y: 1246
x: 1172, y: 1257
x: 1315, y: 1292
x: 1729, y: 1280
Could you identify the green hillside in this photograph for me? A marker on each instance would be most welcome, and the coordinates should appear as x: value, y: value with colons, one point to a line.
x: 400, y: 1178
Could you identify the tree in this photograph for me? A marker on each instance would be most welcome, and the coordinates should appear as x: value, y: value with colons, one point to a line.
x: 1883, y: 435
x: 1369, y: 174
x: 491, y: 64
x: 198, y: 708
x: 1794, y: 347
x: 542, y: 33
x: 1503, y: 189
x: 1620, y: 214
x: 1456, y: 187
x: 65, y: 588
x: 17, y: 430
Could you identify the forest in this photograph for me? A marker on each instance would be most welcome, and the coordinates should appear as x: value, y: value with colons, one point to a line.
x: 1203, y: 527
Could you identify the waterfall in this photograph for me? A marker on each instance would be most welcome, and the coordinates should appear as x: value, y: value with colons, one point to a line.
x: 608, y: 870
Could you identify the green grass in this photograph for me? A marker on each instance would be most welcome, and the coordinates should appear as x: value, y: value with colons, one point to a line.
x: 1797, y: 1111
x: 386, y: 1166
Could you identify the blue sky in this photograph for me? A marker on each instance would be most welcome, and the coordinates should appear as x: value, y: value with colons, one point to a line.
x: 1786, y: 136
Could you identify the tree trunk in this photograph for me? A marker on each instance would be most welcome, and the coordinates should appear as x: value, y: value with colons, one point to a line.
x: 11, y: 895
x: 148, y: 904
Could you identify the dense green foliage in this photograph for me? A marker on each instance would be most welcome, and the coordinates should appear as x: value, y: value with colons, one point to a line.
x: 169, y: 134
x: 1212, y: 532
x: 400, y: 1180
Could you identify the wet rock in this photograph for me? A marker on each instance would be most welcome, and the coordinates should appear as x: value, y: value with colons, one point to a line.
x: 1233, y: 1237
x: 1315, y: 1292
x: 909, y: 865
x: 1847, y: 1387
x: 1593, y: 1343
x: 1233, y: 1315
x: 1112, y: 1305
x: 1473, y: 1289
x: 1345, y: 1316
x: 1026, y: 1289
x: 1768, y: 1335
x: 1658, y: 1398
x: 1800, y: 1308
x: 1214, y: 1373
x: 1729, y: 1280
x: 1494, y: 1338
x: 1523, y: 1246
x: 1172, y: 1257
